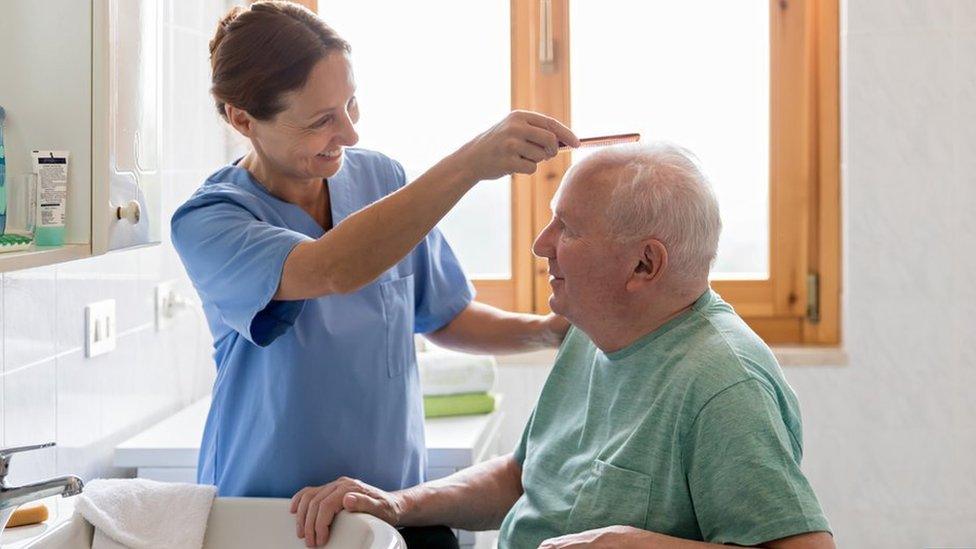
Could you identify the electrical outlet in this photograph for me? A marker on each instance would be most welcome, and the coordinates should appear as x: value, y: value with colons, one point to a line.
x: 99, y: 327
x: 165, y: 298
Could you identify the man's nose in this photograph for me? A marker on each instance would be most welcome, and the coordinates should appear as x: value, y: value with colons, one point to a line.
x: 542, y: 247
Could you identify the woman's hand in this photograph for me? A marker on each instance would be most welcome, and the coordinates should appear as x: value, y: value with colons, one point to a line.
x: 557, y: 326
x: 514, y: 145
x: 315, y: 507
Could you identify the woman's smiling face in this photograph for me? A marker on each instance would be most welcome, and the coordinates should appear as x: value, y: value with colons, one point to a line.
x: 306, y: 139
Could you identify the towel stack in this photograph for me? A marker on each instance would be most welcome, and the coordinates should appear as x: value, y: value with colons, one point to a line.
x: 456, y: 384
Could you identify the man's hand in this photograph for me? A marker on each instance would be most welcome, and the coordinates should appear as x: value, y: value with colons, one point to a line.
x: 622, y: 537
x: 610, y: 537
x: 315, y: 507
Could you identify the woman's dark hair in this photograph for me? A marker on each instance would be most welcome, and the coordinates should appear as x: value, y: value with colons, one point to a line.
x: 265, y: 50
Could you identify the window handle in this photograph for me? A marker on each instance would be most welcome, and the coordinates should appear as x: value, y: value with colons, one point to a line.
x: 545, y: 36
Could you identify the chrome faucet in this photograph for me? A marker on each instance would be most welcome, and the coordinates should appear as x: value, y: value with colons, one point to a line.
x: 12, y: 497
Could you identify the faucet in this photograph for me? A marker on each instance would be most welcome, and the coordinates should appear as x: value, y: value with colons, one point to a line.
x: 12, y: 497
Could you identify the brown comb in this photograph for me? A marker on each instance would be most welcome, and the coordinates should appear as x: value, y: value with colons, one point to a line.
x: 604, y: 140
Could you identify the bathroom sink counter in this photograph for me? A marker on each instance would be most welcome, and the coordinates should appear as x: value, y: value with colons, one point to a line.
x: 59, y: 511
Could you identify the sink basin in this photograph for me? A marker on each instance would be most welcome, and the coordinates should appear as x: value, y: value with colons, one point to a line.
x: 245, y: 523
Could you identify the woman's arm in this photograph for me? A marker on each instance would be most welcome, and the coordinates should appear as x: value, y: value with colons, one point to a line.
x: 375, y: 238
x: 484, y: 329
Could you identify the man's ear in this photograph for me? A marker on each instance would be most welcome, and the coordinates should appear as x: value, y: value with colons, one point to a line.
x: 240, y: 120
x: 651, y: 265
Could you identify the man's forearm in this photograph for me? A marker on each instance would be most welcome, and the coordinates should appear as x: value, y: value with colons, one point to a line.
x: 642, y: 539
x: 481, y: 328
x: 477, y: 498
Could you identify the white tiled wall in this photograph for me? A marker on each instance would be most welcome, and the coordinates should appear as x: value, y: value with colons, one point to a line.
x: 49, y: 391
x: 890, y: 438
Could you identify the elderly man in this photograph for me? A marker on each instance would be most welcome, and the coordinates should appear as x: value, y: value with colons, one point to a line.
x: 666, y: 422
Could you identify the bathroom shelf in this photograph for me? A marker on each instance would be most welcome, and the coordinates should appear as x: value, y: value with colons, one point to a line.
x: 38, y: 257
x: 107, y: 54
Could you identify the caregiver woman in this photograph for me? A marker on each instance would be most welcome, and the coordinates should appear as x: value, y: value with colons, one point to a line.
x: 316, y: 263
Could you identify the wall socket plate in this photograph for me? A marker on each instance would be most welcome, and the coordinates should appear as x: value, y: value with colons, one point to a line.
x: 99, y: 327
x: 165, y: 294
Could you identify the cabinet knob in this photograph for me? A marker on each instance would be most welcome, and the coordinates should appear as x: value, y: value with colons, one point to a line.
x: 129, y: 212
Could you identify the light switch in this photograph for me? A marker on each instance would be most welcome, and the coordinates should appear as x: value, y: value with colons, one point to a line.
x: 165, y: 295
x: 99, y: 327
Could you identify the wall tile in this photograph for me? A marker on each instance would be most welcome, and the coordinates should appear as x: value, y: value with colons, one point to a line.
x: 111, y: 276
x: 29, y: 317
x: 79, y: 416
x: 119, y: 374
x: 29, y: 418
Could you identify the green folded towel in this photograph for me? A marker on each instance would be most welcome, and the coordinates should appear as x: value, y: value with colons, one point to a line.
x: 459, y: 405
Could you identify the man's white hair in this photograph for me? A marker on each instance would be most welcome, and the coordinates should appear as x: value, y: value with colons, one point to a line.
x: 660, y: 192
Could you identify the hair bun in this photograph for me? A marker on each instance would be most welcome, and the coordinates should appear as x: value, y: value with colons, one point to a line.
x: 223, y: 27
x: 264, y: 50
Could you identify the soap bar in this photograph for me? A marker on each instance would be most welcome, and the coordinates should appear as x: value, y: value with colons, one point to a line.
x: 28, y: 515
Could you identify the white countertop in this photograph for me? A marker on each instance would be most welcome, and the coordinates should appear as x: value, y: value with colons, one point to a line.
x: 175, y: 441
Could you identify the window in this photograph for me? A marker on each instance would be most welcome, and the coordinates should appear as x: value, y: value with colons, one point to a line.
x: 658, y: 67
x: 750, y: 87
x: 424, y: 89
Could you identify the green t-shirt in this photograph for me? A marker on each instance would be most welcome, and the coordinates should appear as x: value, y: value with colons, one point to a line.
x: 691, y: 431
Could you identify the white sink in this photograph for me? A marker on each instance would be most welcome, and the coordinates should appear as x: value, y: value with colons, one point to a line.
x: 245, y: 523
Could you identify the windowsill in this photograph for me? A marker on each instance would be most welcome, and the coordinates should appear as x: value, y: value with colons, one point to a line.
x: 800, y: 355
x: 786, y: 355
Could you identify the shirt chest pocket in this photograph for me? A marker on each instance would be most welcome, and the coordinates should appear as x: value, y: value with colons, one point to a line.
x: 609, y: 496
x: 398, y: 313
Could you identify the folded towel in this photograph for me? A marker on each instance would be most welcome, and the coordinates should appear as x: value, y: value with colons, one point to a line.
x: 459, y: 405
x: 444, y: 372
x: 140, y: 513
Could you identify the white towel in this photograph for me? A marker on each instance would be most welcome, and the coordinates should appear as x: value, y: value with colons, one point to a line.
x: 140, y: 513
x: 444, y: 372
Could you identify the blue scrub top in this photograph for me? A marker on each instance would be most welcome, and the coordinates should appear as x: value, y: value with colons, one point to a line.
x: 307, y: 391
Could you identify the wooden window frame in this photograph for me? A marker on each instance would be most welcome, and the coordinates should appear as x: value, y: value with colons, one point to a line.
x: 804, y: 222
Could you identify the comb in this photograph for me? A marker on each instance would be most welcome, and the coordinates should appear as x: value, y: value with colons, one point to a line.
x: 604, y: 140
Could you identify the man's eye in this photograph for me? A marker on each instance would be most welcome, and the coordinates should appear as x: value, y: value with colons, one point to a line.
x: 323, y: 122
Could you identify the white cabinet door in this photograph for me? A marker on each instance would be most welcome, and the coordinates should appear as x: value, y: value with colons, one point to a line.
x: 127, y: 77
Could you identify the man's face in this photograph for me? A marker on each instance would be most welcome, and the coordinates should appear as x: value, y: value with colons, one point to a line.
x: 588, y: 270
